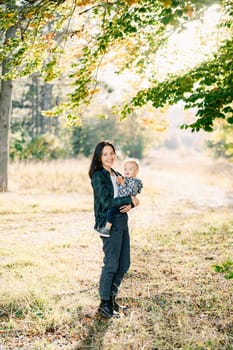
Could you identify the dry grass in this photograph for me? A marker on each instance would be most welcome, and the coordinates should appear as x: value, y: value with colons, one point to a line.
x: 45, y: 177
x: 51, y: 259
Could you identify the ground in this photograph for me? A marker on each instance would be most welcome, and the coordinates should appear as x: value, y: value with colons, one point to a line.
x: 181, y: 236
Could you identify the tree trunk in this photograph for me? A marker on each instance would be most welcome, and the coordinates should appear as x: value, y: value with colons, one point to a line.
x: 35, y: 105
x: 5, y: 113
x: 46, y: 103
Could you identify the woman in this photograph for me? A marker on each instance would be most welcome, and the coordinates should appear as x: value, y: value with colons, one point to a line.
x: 116, y: 248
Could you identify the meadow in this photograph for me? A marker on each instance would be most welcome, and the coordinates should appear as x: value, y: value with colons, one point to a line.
x: 181, y: 253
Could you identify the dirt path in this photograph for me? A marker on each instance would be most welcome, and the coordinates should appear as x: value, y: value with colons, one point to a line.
x: 174, y: 185
x: 50, y: 253
x: 187, y: 185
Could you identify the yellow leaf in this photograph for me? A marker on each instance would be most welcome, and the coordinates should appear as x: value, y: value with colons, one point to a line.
x: 94, y: 91
x: 10, y: 15
x: 160, y: 128
x: 48, y: 114
x: 189, y: 11
x: 131, y: 2
x: 167, y: 3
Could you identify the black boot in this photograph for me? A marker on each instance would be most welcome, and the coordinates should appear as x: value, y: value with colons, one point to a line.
x: 105, y: 309
x: 116, y: 307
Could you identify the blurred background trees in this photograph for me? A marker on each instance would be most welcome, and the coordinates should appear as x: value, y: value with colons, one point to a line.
x: 65, y: 58
x: 34, y: 136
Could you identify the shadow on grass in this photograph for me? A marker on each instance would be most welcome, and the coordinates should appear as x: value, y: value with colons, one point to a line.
x: 94, y: 335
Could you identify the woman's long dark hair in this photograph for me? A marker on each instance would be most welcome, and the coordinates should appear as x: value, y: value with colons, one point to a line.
x: 96, y: 159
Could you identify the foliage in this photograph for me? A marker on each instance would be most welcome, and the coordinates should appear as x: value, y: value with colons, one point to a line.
x: 85, y: 137
x: 81, y: 140
x: 226, y: 268
x: 221, y: 141
x: 134, y: 147
x: 130, y: 136
x: 134, y: 137
x: 18, y: 146
x: 43, y: 147
x: 207, y: 88
x: 129, y: 33
x: 32, y: 49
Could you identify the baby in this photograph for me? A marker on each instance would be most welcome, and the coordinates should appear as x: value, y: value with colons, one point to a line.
x: 129, y: 185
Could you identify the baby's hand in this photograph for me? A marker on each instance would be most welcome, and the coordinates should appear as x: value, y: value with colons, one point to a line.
x: 120, y: 180
x: 135, y: 201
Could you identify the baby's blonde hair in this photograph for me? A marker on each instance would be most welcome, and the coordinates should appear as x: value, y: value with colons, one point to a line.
x: 132, y: 160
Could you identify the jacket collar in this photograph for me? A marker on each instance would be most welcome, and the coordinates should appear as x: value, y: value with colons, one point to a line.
x: 107, y: 172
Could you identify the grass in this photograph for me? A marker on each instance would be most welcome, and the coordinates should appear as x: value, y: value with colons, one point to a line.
x: 51, y: 260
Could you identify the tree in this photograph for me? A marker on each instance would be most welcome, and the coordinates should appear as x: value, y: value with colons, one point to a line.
x: 130, y: 141
x: 122, y: 26
x: 221, y: 141
x: 16, y: 41
x: 128, y: 32
x: 207, y: 88
x: 5, y: 110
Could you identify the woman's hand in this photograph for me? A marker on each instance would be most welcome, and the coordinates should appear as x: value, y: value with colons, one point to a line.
x: 125, y: 208
x: 135, y: 201
x: 120, y: 180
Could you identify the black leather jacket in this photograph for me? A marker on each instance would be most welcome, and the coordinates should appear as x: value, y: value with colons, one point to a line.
x: 103, y: 196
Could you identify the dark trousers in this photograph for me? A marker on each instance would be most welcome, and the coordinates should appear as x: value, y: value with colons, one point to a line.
x: 116, y: 257
x: 111, y: 213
